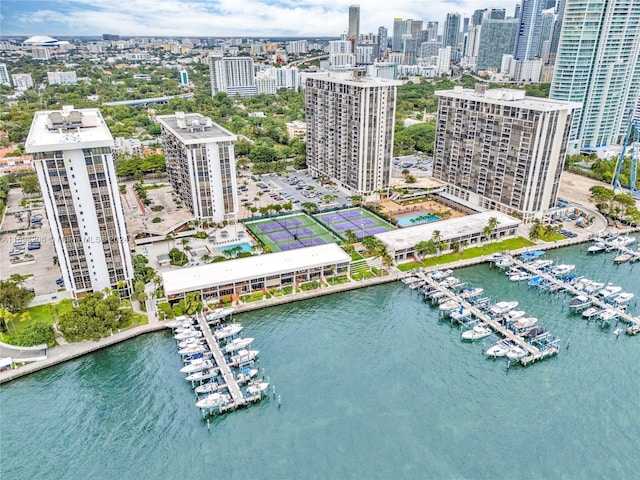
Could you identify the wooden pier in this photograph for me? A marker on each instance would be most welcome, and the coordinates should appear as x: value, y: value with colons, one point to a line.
x: 534, y: 354
x: 238, y: 399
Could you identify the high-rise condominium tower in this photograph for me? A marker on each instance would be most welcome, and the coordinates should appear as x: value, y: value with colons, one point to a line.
x: 201, y: 164
x: 501, y: 150
x: 353, y: 34
x: 233, y: 75
x: 598, y: 64
x: 350, y: 126
x: 72, y: 153
x: 451, y: 35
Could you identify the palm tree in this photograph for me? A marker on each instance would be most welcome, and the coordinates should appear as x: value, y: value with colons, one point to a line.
x: 350, y: 236
x: 206, y: 258
x: 169, y: 237
x: 536, y: 230
x: 436, y: 236
x: 490, y: 227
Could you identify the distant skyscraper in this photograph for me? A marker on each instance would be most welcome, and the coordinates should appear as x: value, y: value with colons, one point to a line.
x: 432, y: 31
x: 201, y: 164
x: 598, y: 64
x: 516, y: 12
x: 22, y: 81
x: 557, y: 28
x: 528, y: 38
x: 416, y: 26
x: 495, y: 13
x: 546, y: 32
x: 488, y: 148
x: 497, y: 38
x: 353, y: 33
x: 476, y: 18
x: 233, y: 75
x: 400, y: 27
x: 4, y: 75
x: 350, y: 127
x: 72, y: 153
x: 451, y: 35
x: 382, y: 42
x: 184, y: 78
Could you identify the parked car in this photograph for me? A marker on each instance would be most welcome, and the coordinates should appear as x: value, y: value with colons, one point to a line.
x: 33, y: 246
x: 60, y: 281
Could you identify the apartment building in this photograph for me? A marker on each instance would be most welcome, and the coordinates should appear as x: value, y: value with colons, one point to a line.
x: 501, y: 150
x: 233, y: 75
x: 72, y: 154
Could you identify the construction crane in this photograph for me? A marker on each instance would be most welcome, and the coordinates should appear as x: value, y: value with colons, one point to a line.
x: 631, y: 145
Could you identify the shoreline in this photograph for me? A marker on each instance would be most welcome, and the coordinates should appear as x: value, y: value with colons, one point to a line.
x: 61, y: 354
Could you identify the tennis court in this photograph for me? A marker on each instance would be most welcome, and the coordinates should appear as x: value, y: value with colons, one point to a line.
x: 290, y: 232
x: 360, y: 221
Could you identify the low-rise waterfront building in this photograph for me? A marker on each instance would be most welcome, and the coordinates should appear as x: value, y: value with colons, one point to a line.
x: 257, y: 273
x: 466, y: 231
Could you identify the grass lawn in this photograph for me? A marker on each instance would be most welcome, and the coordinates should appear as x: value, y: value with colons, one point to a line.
x: 552, y: 237
x: 474, y: 252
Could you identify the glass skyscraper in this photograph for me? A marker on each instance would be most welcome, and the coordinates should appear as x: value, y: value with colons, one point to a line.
x: 598, y: 64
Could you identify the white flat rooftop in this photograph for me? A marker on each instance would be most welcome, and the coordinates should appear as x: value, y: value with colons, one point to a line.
x: 205, y: 131
x: 41, y: 138
x: 407, y: 238
x: 232, y: 271
x: 509, y: 97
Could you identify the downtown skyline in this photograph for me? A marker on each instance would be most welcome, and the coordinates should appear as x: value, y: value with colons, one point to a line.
x: 202, y: 18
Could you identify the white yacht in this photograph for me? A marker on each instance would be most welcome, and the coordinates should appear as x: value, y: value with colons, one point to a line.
x: 580, y: 301
x: 460, y: 314
x: 597, y: 247
x: 525, y: 323
x: 477, y: 332
x: 505, y: 262
x: 516, y: 352
x: 622, y: 241
x: 590, y: 312
x: 179, y: 322
x: 471, y: 292
x: 593, y: 287
x: 609, y: 291
x: 500, y: 348
x: 623, y: 298
x: 228, y: 331
x: 245, y: 356
x: 449, y: 305
x: 193, y: 349
x: 214, y: 400
x: 237, y: 344
x: 562, y: 269
x: 197, y: 365
x: 202, y: 375
x: 519, y: 277
x: 256, y: 388
x: 218, y: 313
x: 191, y: 341
x: 512, y: 315
x: 246, y: 374
x: 608, y: 315
x: 501, y: 308
x: 209, y: 387
x: 192, y: 333
x: 541, y: 264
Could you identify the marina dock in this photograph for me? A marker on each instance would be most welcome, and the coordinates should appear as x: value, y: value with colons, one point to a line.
x: 534, y: 354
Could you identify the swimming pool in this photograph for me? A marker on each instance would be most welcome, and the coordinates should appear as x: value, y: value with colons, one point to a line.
x: 244, y: 246
x: 420, y: 219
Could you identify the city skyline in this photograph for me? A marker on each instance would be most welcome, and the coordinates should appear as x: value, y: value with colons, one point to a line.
x: 224, y: 18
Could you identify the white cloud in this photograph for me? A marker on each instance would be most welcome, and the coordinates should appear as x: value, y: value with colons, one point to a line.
x: 236, y: 17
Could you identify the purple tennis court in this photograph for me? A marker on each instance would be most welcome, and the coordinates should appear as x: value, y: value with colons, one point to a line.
x: 370, y: 231
x: 349, y: 214
x: 280, y: 236
x: 288, y: 235
x: 309, y: 242
x: 358, y: 224
x: 269, y: 227
x: 289, y: 222
x: 331, y: 218
x: 290, y: 246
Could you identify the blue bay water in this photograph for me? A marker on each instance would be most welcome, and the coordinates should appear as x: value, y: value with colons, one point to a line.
x: 373, y: 385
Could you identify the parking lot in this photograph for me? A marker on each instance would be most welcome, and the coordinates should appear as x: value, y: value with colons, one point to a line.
x: 296, y: 187
x: 30, y: 250
x: 419, y: 167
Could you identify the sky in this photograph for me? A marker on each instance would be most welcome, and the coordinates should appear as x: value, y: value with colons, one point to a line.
x: 220, y: 18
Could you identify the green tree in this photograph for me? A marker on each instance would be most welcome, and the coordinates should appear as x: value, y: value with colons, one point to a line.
x: 35, y: 333
x: 263, y: 154
x: 30, y: 184
x: 310, y: 207
x: 178, y: 257
x: 13, y: 296
x: 427, y: 247
x: 95, y: 315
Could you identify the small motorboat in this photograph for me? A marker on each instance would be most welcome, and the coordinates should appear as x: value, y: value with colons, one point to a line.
x: 218, y: 314
x: 505, y: 262
x: 471, y: 292
x: 460, y: 314
x: 237, y: 344
x: 193, y: 349
x: 191, y: 341
x: 562, y: 270
x: 197, y: 365
x: 256, y: 388
x: 214, y: 400
x: 597, y: 247
x: 514, y: 315
x: 244, y: 356
x: 246, y: 374
x: 593, y: 287
x: 609, y: 291
x: 179, y: 322
x: 191, y: 333
x: 608, y: 314
x: 228, y: 331
x: 621, y: 241
x: 202, y: 375
x: 580, y: 301
x: 501, y: 308
x: 590, y: 312
x: 520, y: 277
x: 535, y: 281
x: 440, y: 274
x: 516, y: 352
x: 541, y: 264
x: 623, y: 298
x: 208, y: 387
x: 449, y: 305
x: 477, y: 332
x: 500, y: 348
